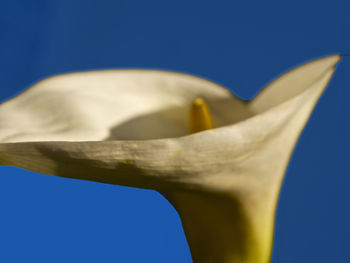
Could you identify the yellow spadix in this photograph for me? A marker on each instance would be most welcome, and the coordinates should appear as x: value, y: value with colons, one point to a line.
x: 200, y: 118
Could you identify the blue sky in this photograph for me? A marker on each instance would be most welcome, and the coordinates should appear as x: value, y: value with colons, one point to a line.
x: 240, y: 44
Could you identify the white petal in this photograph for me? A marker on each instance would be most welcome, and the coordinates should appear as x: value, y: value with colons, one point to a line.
x: 223, y: 182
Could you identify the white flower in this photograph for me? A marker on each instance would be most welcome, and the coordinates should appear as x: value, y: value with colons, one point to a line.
x: 130, y: 127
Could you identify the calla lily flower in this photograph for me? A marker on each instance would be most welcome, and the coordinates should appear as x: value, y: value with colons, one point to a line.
x: 218, y: 159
